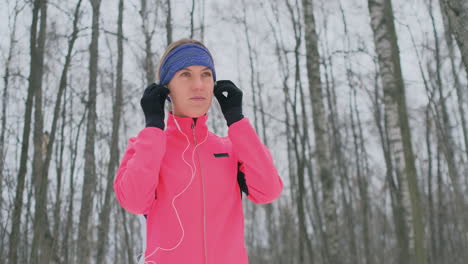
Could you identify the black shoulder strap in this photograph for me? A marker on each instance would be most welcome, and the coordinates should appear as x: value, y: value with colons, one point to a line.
x: 241, y: 180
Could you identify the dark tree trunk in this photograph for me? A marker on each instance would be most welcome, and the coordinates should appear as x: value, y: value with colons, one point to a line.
x: 457, y: 13
x: 114, y: 148
x: 35, y: 80
x: 169, y: 23
x: 148, y: 34
x: 89, y: 181
x: 6, y: 79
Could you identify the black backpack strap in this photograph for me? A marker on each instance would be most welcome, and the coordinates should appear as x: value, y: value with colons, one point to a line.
x: 155, y: 197
x: 241, y: 181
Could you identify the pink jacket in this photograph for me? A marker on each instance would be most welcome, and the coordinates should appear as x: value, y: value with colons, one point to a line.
x: 185, y: 181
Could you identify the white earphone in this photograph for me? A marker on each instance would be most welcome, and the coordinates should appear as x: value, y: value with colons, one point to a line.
x: 193, y: 170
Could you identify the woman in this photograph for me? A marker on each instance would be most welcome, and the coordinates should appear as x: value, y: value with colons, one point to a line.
x: 186, y: 180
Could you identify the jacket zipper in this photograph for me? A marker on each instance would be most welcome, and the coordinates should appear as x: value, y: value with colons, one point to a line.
x: 203, y: 191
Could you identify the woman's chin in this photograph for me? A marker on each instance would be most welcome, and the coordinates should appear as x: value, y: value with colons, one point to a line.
x: 194, y: 114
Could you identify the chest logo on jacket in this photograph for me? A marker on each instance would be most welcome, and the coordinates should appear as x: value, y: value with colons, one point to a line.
x: 220, y: 155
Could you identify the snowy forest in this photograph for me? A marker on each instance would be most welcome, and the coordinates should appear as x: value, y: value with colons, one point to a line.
x: 362, y: 103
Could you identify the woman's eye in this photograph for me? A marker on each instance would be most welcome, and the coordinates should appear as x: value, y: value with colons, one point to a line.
x: 185, y: 74
x: 207, y: 73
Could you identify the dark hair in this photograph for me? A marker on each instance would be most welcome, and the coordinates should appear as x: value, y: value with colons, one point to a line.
x: 172, y: 46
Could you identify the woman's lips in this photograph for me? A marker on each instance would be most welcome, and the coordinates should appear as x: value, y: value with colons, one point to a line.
x: 197, y: 98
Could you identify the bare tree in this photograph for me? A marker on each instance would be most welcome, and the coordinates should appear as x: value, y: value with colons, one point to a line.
x: 362, y: 172
x: 457, y: 13
x: 444, y: 130
x: 285, y: 252
x: 251, y: 62
x: 42, y: 244
x: 6, y: 78
x: 202, y: 20
x: 126, y: 241
x: 89, y: 182
x: 114, y: 150
x: 397, y: 124
x: 454, y: 70
x: 58, y: 111
x: 35, y: 81
x: 192, y: 13
x: 300, y: 139
x: 434, y: 245
x: 322, y: 145
x: 395, y: 193
x: 360, y: 157
x: 169, y: 23
x: 148, y: 33
x: 67, y: 239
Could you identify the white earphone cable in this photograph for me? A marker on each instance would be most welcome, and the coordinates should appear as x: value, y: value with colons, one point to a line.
x: 143, y: 257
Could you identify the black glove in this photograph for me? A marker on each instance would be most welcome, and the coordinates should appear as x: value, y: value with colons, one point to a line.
x: 232, y: 104
x: 152, y: 103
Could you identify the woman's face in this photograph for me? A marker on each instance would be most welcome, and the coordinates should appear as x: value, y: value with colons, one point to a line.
x: 191, y: 91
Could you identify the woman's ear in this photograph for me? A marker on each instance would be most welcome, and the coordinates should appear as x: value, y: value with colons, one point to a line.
x: 168, y: 98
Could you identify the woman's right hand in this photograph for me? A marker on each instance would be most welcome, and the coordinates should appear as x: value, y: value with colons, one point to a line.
x: 152, y: 104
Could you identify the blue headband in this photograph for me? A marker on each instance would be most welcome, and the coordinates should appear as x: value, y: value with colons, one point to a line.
x: 184, y: 56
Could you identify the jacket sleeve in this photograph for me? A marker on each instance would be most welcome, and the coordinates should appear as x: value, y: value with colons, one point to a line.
x: 261, y: 176
x: 138, y: 173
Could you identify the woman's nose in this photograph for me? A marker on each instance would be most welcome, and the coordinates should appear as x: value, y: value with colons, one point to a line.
x: 197, y: 83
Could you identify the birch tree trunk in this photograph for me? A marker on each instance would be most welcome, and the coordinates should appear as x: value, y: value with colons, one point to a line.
x: 323, y: 150
x: 456, y: 77
x: 445, y: 134
x: 114, y: 148
x: 397, y: 124
x: 457, y: 13
x: 89, y: 181
x: 395, y: 193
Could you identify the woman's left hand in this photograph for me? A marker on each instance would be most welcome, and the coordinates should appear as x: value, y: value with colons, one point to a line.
x: 231, y: 105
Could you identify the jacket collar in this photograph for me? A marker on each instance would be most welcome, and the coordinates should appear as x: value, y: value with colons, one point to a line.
x: 189, y: 126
